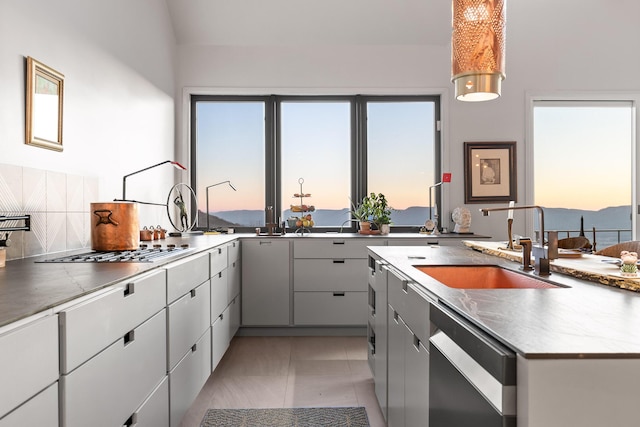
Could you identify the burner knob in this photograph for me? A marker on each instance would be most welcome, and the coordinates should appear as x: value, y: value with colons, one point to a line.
x: 157, y: 246
x: 184, y: 245
x: 171, y: 246
x: 143, y: 246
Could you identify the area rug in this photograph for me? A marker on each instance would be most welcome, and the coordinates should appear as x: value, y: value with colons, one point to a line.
x: 286, y: 417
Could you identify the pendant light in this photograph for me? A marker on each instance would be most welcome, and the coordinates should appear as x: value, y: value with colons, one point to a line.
x: 477, y: 49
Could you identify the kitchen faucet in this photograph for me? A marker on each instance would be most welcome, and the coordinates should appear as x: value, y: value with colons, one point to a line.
x: 543, y: 254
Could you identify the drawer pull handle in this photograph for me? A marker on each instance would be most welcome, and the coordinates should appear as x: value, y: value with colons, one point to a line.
x: 220, y: 275
x: 129, y: 289
x: 338, y: 261
x: 338, y: 294
x: 416, y: 342
x: 265, y: 242
x: 338, y: 242
x: 194, y: 347
x: 193, y: 293
x: 405, y: 286
x: 129, y: 337
x: 219, y: 251
x: 131, y: 421
x: 221, y: 316
x: 395, y: 316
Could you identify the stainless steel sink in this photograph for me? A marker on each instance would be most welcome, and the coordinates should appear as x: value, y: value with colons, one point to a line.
x: 483, y: 277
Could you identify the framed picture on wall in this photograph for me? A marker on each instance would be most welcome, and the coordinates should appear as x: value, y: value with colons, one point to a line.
x: 490, y: 172
x: 44, y: 101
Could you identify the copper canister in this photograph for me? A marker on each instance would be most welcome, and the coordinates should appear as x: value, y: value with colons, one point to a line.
x: 114, y: 226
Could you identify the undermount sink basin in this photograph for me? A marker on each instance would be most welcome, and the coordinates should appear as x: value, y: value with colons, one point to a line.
x: 482, y: 277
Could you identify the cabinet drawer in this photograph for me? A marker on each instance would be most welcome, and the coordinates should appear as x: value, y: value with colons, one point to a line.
x: 416, y: 312
x: 110, y: 386
x: 83, y: 329
x: 233, y: 250
x: 330, y: 308
x: 28, y: 361
x: 154, y: 412
x: 334, y: 248
x: 234, y: 279
x: 41, y: 411
x: 217, y: 259
x: 220, y: 337
x: 219, y: 294
x: 234, y: 315
x: 188, y: 377
x: 330, y: 274
x: 188, y: 318
x: 184, y: 275
x: 397, y: 291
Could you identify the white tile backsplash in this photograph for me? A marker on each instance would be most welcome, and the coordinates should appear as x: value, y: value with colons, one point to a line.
x: 58, y: 204
x: 56, y: 192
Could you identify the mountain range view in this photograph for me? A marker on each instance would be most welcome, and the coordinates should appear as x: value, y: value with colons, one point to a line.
x: 610, y: 218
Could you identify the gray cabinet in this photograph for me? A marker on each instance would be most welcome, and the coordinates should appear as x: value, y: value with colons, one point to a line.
x: 41, y: 410
x: 188, y: 331
x: 265, y: 282
x: 107, y: 389
x: 109, y: 368
x: 378, y: 328
x: 28, y: 365
x: 408, y: 331
x: 330, y: 282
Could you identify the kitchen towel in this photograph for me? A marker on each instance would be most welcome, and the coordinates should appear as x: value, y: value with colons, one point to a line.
x: 285, y: 417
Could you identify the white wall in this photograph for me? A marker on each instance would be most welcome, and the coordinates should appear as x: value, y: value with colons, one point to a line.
x: 572, y: 46
x: 118, y: 61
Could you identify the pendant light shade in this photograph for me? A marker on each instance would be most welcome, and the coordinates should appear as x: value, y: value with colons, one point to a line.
x: 477, y: 48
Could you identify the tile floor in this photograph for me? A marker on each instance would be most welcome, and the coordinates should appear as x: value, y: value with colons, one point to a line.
x: 282, y: 372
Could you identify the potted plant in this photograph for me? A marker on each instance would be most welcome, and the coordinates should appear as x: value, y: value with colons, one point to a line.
x: 380, y: 212
x: 375, y: 209
x: 363, y: 213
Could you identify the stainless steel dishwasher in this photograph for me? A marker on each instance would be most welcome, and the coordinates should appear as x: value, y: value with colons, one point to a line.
x: 472, y: 377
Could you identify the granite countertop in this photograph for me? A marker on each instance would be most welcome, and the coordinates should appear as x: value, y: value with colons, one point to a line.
x: 582, y: 319
x: 595, y: 268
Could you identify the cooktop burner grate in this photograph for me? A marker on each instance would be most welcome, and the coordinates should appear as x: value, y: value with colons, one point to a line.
x: 143, y: 254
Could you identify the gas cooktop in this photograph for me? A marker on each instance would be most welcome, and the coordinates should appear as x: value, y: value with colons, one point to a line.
x: 142, y: 254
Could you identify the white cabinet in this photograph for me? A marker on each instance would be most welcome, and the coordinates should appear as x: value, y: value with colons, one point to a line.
x: 220, y: 336
x: 188, y: 318
x: 333, y: 308
x: 107, y: 389
x: 41, y: 410
x: 188, y: 328
x: 28, y: 360
x: 234, y: 269
x: 154, y: 412
x: 84, y: 331
x: 188, y: 377
x: 265, y: 282
x: 225, y: 300
x: 186, y: 274
x: 330, y: 281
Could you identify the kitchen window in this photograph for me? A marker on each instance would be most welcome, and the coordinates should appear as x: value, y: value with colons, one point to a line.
x: 583, y: 167
x: 343, y: 147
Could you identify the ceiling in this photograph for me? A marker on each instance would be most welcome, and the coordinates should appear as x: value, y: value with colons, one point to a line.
x: 307, y: 22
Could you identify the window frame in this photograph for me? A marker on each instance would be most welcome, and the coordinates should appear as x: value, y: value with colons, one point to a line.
x: 567, y: 99
x: 358, y: 146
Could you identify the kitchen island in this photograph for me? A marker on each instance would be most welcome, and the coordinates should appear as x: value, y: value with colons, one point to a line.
x: 577, y: 345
